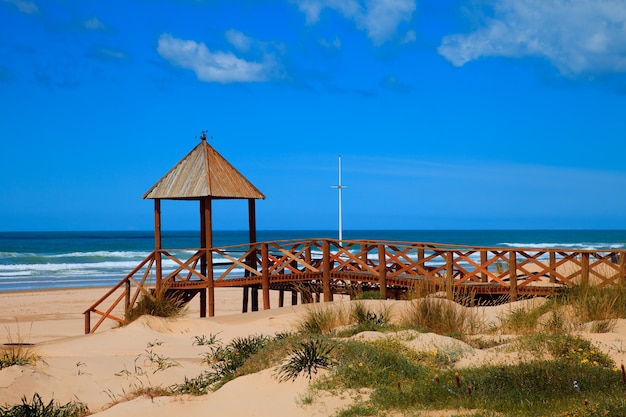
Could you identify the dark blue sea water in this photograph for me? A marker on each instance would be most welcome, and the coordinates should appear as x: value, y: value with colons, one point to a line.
x: 40, y: 260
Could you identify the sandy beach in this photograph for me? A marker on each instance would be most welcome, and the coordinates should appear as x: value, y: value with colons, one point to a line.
x: 100, y: 369
x: 92, y: 368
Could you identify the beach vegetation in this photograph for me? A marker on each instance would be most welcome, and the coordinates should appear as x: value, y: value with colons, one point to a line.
x: 367, y: 295
x: 442, y: 316
x: 307, y: 358
x: 205, y: 340
x: 363, y: 318
x: 562, y: 347
x: 596, y: 303
x: 37, y: 407
x: 525, y: 318
x: 225, y: 362
x: 554, y: 372
x: 160, y: 303
x: 137, y: 389
x: 17, y: 352
x: 322, y: 319
x: 402, y: 380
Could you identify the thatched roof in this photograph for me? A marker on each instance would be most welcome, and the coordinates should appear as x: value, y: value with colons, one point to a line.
x: 203, y: 172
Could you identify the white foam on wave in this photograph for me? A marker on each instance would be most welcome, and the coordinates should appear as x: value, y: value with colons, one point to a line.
x: 100, y: 254
x: 50, y: 267
x: 15, y: 254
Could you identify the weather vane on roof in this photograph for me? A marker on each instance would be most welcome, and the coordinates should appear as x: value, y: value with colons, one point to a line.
x: 203, y: 135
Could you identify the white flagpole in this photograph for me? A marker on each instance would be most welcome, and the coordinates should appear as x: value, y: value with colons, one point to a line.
x: 339, y: 188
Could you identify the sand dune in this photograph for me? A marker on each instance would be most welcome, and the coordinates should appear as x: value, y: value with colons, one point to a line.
x: 103, y: 368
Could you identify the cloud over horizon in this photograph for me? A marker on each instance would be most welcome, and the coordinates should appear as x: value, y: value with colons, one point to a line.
x: 577, y: 37
x: 221, y: 67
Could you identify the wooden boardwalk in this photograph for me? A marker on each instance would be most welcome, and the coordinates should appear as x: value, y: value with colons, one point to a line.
x: 319, y: 268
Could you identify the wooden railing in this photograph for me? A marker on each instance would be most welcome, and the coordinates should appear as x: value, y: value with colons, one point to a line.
x: 333, y: 263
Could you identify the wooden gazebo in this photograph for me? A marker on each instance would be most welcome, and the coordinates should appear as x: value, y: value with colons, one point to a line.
x: 203, y: 175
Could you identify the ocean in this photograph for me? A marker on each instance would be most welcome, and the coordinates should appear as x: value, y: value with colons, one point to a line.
x: 46, y: 260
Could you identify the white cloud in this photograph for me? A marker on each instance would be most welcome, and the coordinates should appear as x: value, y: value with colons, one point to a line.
x: 24, y: 6
x: 222, y: 67
x: 334, y: 44
x: 93, y: 24
x: 379, y: 18
x: 576, y: 36
x: 239, y: 40
x: 409, y: 37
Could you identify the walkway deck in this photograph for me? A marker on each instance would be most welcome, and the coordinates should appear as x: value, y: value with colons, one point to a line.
x: 324, y: 267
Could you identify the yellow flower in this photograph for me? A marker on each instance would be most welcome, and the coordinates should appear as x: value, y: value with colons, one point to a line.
x: 584, y: 360
x: 350, y: 366
x: 360, y: 363
x: 435, y: 351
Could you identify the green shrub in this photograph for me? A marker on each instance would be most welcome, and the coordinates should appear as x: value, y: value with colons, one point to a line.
x: 225, y: 362
x: 37, y: 408
x: 564, y: 347
x: 307, y: 358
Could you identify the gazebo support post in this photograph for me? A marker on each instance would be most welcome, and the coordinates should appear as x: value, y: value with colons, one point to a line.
x: 206, y: 240
x: 158, y: 244
x: 244, y: 303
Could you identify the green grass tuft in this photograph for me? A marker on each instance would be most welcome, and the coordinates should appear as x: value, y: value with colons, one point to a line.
x: 38, y: 408
x: 307, y: 358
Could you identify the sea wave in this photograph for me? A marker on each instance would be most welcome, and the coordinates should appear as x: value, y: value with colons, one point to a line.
x: 580, y: 245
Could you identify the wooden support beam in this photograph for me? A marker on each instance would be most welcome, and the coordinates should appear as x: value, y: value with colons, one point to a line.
x: 252, y: 219
x: 449, y: 274
x: 584, y: 268
x: 206, y: 231
x: 483, y: 262
x: 87, y: 322
x: 203, y: 302
x: 244, y: 306
x: 622, y: 268
x: 265, y: 276
x: 294, y: 298
x: 127, y: 299
x: 513, y: 275
x: 281, y: 298
x: 552, y: 264
x: 255, y: 298
x: 157, y: 244
x: 326, y: 270
x: 382, y: 271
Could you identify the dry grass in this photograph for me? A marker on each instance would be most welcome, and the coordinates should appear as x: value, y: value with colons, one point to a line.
x: 443, y: 317
x: 322, y: 319
x: 16, y: 351
x: 160, y: 304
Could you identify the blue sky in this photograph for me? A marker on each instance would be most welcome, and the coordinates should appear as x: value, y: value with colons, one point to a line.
x: 477, y: 114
